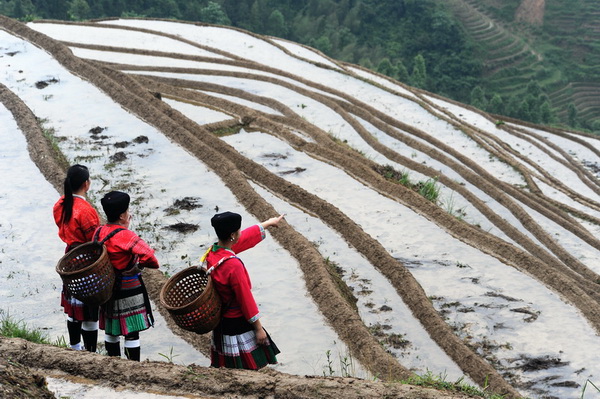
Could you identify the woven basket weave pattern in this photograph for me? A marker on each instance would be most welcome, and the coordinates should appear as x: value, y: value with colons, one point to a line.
x: 192, y: 301
x: 87, y: 273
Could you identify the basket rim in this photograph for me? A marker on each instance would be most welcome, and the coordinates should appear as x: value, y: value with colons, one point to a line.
x: 85, y: 269
x: 174, y: 279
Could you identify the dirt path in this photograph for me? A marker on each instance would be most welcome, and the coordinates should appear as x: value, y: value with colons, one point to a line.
x: 170, y: 379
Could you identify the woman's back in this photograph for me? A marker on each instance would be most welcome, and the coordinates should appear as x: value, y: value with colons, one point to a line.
x: 80, y: 227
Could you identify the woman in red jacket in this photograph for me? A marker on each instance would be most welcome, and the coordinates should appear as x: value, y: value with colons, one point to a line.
x: 76, y: 220
x: 128, y: 311
x: 239, y: 341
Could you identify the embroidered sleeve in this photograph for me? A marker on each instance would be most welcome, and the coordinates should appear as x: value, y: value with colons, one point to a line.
x: 249, y: 237
x: 253, y: 319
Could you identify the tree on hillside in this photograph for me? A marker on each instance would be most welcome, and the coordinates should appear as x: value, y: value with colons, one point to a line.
x: 54, y: 9
x: 478, y: 99
x: 79, y: 10
x: 214, y: 14
x: 111, y: 8
x: 256, y: 18
x: 22, y: 8
x: 402, y: 72
x: 276, y: 25
x: 419, y: 73
x: 496, y: 104
x: 572, y: 115
x: 366, y: 62
x: 321, y: 7
x: 164, y: 9
x: 352, y: 19
x: 534, y: 88
x: 237, y: 11
x: 96, y: 9
x: 512, y: 106
x: 534, y: 108
x: 323, y: 44
x: 546, y: 114
x: 385, y: 67
x: 524, y: 112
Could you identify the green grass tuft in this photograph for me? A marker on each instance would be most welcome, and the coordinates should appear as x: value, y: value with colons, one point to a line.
x: 430, y: 380
x: 11, y: 328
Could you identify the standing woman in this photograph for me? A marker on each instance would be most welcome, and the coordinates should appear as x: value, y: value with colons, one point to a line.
x: 128, y: 311
x: 239, y: 341
x: 76, y: 220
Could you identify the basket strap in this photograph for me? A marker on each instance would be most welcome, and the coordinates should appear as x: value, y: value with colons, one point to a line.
x: 210, y: 269
x: 112, y: 233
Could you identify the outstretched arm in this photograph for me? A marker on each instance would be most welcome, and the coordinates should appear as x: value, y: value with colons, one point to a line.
x: 272, y: 222
x: 254, y: 234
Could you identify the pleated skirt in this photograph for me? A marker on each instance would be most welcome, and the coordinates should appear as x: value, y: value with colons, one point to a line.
x: 234, y: 346
x: 129, y: 308
x: 76, y: 309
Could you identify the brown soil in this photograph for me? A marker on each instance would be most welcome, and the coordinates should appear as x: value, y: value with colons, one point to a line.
x: 531, y: 12
x: 141, y: 95
x: 18, y: 381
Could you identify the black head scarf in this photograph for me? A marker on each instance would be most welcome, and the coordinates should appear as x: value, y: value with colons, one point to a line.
x: 226, y: 223
x: 114, y: 204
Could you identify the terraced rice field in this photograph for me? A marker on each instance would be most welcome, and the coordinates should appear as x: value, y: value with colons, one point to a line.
x: 495, y: 278
x: 514, y: 57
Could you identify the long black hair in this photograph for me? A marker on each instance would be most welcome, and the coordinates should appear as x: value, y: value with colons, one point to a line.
x: 77, y: 175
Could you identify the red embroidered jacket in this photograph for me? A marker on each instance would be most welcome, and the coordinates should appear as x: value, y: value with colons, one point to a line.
x: 126, y: 247
x: 80, y: 228
x: 231, y: 278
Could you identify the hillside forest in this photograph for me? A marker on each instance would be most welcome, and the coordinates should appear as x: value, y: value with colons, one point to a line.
x: 536, y: 61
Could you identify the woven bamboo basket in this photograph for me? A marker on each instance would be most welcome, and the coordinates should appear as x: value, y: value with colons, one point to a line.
x: 192, y: 300
x: 87, y: 273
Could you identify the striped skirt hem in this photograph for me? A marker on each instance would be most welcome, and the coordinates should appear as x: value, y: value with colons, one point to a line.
x: 234, y: 346
x: 76, y: 309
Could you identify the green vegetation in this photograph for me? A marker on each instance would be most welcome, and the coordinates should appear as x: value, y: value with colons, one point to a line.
x: 473, y: 51
x: 555, y: 49
x: 585, y: 386
x: 428, y: 188
x: 50, y: 136
x: 337, y: 273
x: 346, y: 365
x: 11, y: 328
x: 227, y: 131
x: 439, y: 382
x: 418, y: 42
x: 169, y: 356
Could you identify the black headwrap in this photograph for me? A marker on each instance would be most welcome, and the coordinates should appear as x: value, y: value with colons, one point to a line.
x: 226, y: 223
x: 114, y: 204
